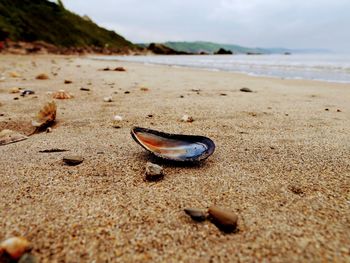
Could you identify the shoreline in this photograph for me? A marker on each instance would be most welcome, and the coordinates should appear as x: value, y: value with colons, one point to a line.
x: 281, y: 164
x: 203, y: 67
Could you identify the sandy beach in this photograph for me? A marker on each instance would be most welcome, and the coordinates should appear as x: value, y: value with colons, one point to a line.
x: 282, y: 164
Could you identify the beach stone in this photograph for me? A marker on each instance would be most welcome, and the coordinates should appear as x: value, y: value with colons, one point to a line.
x: 73, y: 160
x: 66, y: 81
x: 84, y: 89
x: 225, y: 220
x: 42, y: 76
x: 144, y: 89
x: 117, y: 119
x: 154, y: 172
x: 246, y: 89
x: 187, y: 118
x: 119, y: 69
x: 14, y: 74
x: 108, y: 99
x: 196, y: 214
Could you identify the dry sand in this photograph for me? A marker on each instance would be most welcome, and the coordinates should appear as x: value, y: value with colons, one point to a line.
x: 282, y: 163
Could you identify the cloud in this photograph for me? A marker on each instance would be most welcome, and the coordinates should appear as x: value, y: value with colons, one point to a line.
x: 266, y: 23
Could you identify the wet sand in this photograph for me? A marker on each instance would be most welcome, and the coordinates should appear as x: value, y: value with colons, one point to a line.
x: 282, y: 164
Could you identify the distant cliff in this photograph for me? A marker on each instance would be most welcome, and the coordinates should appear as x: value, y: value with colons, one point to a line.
x: 44, y: 21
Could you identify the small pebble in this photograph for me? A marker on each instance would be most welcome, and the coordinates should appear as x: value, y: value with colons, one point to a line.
x: 246, y: 89
x: 326, y: 109
x: 108, y: 99
x: 196, y: 214
x: 154, y: 172
x: 223, y: 94
x: 338, y: 110
x: 225, y: 220
x: 181, y: 96
x: 117, y: 121
x: 187, y: 118
x: 119, y: 69
x: 14, y: 74
x: 73, y: 160
x: 144, y: 89
x: 67, y: 81
x: 15, y: 98
x: 85, y: 89
x: 14, y: 90
x: 126, y: 92
x: 48, y: 130
x: 42, y: 76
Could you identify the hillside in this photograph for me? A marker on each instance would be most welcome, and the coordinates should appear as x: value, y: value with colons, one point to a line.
x: 41, y: 20
x: 209, y: 47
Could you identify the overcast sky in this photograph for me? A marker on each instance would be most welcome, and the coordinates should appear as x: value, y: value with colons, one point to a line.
x: 253, y: 23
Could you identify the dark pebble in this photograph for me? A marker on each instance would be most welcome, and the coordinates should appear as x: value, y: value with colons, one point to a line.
x: 225, y: 220
x: 73, y: 160
x: 246, y: 89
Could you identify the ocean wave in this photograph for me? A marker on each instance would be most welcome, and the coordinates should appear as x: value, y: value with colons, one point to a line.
x: 330, y: 68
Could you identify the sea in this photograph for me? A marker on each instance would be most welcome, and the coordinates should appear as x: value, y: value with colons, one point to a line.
x: 322, y: 67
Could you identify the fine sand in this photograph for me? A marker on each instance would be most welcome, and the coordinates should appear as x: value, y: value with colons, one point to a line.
x: 282, y: 164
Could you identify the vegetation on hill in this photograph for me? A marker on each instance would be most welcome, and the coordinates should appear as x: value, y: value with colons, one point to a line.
x: 41, y: 20
x: 209, y: 47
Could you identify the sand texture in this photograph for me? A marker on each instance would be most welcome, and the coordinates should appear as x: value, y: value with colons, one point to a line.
x: 282, y: 164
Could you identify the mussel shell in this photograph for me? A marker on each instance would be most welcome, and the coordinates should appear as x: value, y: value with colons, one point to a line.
x: 174, y: 147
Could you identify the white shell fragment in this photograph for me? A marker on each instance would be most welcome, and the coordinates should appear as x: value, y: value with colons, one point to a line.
x: 9, y: 136
x: 154, y: 172
x: 108, y: 99
x: 187, y: 118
